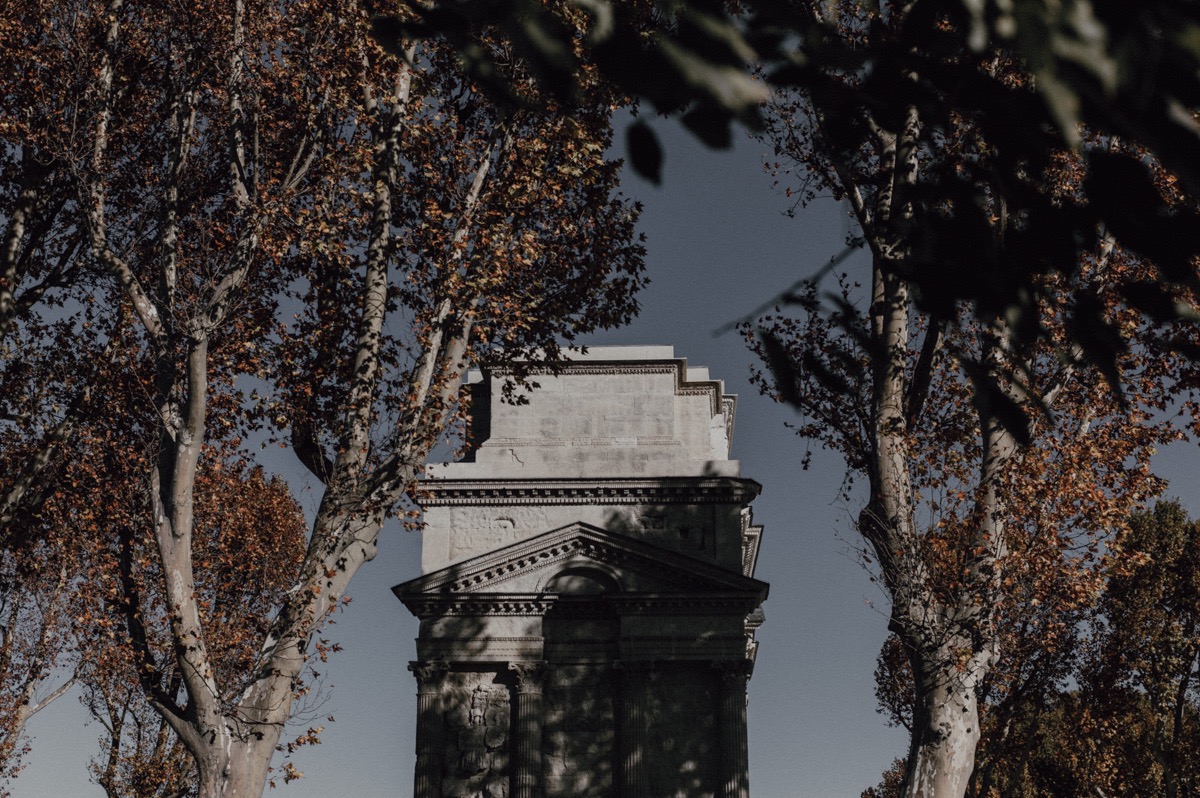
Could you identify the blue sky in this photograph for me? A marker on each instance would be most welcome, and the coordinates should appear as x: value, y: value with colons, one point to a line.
x: 719, y: 245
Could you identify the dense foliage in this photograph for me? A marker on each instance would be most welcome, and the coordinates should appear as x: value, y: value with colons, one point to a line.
x: 1122, y: 71
x: 1119, y: 715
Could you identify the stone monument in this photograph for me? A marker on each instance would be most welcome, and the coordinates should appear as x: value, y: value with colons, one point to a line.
x: 587, y: 603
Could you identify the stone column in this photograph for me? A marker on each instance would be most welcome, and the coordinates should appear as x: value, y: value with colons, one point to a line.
x: 734, y: 763
x: 635, y: 679
x: 428, y: 775
x: 529, y: 677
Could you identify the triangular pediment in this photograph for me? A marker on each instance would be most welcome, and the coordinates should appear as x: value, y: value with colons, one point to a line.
x: 530, y: 567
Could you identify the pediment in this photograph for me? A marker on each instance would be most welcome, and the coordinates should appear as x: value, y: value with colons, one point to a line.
x: 581, y: 553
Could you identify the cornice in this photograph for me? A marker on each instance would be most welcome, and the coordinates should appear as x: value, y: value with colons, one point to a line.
x: 676, y: 366
x: 719, y: 402
x: 684, y: 604
x: 751, y: 540
x: 427, y: 605
x: 662, y: 490
x: 498, y: 442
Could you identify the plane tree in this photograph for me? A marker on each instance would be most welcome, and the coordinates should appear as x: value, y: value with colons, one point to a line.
x: 289, y: 234
x: 82, y: 573
x: 36, y: 640
x: 995, y: 450
x: 959, y: 523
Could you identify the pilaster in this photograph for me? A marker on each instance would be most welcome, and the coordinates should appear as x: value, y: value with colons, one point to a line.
x: 530, y: 679
x: 734, y: 767
x: 635, y: 680
x: 427, y: 777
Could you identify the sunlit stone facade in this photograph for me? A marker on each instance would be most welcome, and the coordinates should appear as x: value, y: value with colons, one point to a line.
x: 587, y: 603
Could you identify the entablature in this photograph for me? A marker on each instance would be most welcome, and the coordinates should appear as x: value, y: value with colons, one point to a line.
x: 681, y: 490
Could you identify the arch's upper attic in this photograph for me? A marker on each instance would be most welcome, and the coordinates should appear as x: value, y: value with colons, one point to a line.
x: 624, y: 411
x: 624, y: 438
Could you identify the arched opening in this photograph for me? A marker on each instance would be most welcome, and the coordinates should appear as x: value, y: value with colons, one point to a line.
x: 582, y: 581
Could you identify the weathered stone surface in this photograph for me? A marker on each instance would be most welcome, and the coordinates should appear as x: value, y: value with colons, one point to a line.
x: 580, y: 733
x: 587, y: 603
x: 681, y: 707
x: 616, y: 411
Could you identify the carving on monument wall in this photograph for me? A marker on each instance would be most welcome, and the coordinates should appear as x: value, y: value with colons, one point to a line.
x: 479, y: 529
x: 682, y: 530
x: 696, y: 538
x: 476, y: 716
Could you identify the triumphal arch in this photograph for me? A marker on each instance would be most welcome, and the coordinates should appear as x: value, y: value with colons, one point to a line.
x: 587, y: 603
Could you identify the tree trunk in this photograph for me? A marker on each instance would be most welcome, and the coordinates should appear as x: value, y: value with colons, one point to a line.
x: 945, y: 729
x: 247, y: 765
x: 234, y: 759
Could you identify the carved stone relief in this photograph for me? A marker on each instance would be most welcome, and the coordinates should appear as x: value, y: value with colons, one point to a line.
x: 685, y: 531
x: 477, y: 716
x: 696, y: 537
x: 480, y: 529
